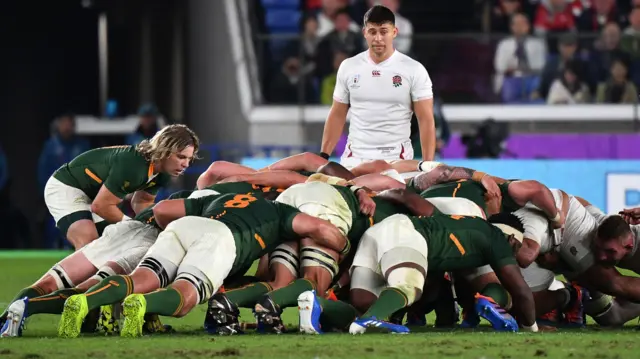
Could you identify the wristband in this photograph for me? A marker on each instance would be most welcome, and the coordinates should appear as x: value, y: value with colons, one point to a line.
x: 556, y: 219
x: 355, y: 189
x: 533, y: 328
x: 324, y: 155
x: 125, y: 218
x: 478, y: 176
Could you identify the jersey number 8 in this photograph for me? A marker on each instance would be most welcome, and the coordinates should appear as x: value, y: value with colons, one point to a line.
x: 240, y: 201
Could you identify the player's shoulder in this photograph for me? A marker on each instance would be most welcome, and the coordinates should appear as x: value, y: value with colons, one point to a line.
x: 409, y: 62
x: 354, y: 61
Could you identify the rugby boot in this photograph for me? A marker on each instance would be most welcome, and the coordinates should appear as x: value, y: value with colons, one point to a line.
x: 267, y: 314
x: 498, y: 317
x: 75, y: 310
x: 16, y: 316
x: 550, y: 319
x: 222, y: 316
x: 109, y: 321
x: 309, y: 311
x: 360, y: 326
x: 471, y: 319
x: 134, y: 308
x: 573, y: 315
x: 153, y: 325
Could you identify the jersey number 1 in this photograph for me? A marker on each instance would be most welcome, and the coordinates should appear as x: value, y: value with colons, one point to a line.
x: 240, y: 201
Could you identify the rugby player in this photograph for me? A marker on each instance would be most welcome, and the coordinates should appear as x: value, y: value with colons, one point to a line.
x: 394, y: 257
x: 205, y: 240
x: 88, y: 189
x: 380, y: 89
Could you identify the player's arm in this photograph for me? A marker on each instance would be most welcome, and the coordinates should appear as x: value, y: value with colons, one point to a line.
x: 417, y: 205
x: 528, y: 252
x: 422, y: 98
x: 610, y: 281
x: 142, y: 200
x: 335, y: 169
x: 378, y: 182
x: 168, y: 211
x: 105, y: 205
x: 444, y: 173
x: 219, y: 170
x: 523, y: 304
x: 337, y: 114
x: 320, y: 231
x: 597, y: 213
x: 278, y: 179
x: 307, y: 161
x: 538, y: 194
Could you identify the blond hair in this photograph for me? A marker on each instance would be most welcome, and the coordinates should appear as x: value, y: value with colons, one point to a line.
x: 171, y: 139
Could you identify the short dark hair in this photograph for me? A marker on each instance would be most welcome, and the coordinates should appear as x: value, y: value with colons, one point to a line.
x: 379, y: 15
x: 613, y: 227
x: 507, y: 218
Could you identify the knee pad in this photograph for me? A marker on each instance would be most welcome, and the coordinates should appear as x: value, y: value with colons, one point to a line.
x: 365, y: 279
x: 407, y: 281
x: 164, y: 270
x: 400, y: 255
x: 316, y: 257
x: 286, y: 256
x: 202, y: 285
x: 61, y: 277
x: 103, y: 272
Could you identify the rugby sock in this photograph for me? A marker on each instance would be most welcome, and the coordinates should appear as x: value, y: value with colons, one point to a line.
x: 167, y: 302
x: 247, y: 296
x: 497, y: 292
x: 288, y: 296
x: 389, y: 301
x: 29, y: 292
x: 336, y: 314
x: 110, y: 290
x: 51, y: 303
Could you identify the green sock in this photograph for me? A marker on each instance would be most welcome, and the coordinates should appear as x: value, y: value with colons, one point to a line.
x: 288, y: 296
x: 51, y: 303
x: 110, y: 290
x: 336, y: 314
x: 29, y: 292
x: 247, y: 296
x: 389, y: 301
x: 496, y: 292
x: 165, y: 302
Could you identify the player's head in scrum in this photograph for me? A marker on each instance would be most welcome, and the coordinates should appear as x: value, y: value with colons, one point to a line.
x: 172, y: 149
x: 380, y: 29
x: 613, y: 241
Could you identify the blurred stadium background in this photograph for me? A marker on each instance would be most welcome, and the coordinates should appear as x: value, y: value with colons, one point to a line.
x: 552, y: 97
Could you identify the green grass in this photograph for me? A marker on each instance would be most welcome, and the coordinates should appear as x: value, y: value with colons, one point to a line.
x: 40, y: 341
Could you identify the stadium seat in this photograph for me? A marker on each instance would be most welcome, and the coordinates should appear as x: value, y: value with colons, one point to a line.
x: 279, y: 21
x: 281, y: 4
x: 519, y: 89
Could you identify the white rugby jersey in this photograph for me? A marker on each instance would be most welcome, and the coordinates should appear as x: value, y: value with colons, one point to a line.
x: 381, y: 97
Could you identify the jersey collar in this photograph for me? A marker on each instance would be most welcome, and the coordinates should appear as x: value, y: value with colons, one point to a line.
x: 150, y: 174
x: 385, y: 62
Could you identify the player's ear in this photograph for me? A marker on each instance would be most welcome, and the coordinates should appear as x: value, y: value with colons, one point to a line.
x: 395, y: 32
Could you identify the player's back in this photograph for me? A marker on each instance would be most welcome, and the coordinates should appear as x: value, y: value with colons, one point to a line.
x: 457, y: 242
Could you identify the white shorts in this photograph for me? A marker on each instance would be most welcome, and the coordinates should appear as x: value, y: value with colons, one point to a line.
x: 321, y: 200
x: 197, y: 246
x: 62, y: 200
x: 457, y: 206
x: 124, y: 243
x: 395, y: 231
x: 537, y: 278
x: 354, y: 156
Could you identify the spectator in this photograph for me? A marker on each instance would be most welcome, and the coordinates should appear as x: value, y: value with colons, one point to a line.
x: 569, y: 89
x: 147, y: 125
x: 405, y: 29
x: 327, y: 17
x: 567, y: 51
x: 618, y: 89
x: 501, y: 14
x: 554, y: 16
x: 630, y: 42
x: 63, y: 146
x: 520, y: 54
x: 329, y: 82
x: 606, y: 49
x: 308, y: 44
x: 285, y: 88
x: 341, y: 39
x: 596, y: 14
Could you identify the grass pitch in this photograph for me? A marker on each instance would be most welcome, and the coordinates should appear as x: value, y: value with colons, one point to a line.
x: 40, y: 341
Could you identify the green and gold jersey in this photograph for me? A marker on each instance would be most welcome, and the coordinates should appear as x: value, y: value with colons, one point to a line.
x: 244, y: 187
x: 146, y: 215
x: 473, y: 191
x: 258, y: 225
x: 121, y: 169
x: 457, y: 242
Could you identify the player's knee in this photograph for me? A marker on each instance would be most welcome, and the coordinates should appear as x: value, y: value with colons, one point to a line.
x: 602, y: 309
x: 164, y: 270
x: 104, y: 272
x: 319, y: 257
x: 287, y: 257
x: 409, y: 281
x: 361, y: 299
x: 56, y: 278
x: 204, y: 289
x: 401, y: 255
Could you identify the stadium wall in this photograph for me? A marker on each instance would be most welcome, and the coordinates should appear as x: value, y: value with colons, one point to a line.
x: 610, y: 185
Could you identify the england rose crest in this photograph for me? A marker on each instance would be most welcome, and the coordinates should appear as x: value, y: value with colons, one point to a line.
x: 397, y: 81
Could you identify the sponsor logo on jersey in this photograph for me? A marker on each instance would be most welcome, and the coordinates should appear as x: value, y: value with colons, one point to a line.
x: 397, y: 81
x: 623, y: 191
x: 375, y: 73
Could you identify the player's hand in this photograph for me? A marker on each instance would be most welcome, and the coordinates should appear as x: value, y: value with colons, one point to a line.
x: 561, y: 221
x: 630, y: 219
x: 494, y: 205
x: 367, y: 205
x: 490, y: 185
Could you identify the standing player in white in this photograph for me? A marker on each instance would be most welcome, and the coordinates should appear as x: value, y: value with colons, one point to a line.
x: 380, y: 89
